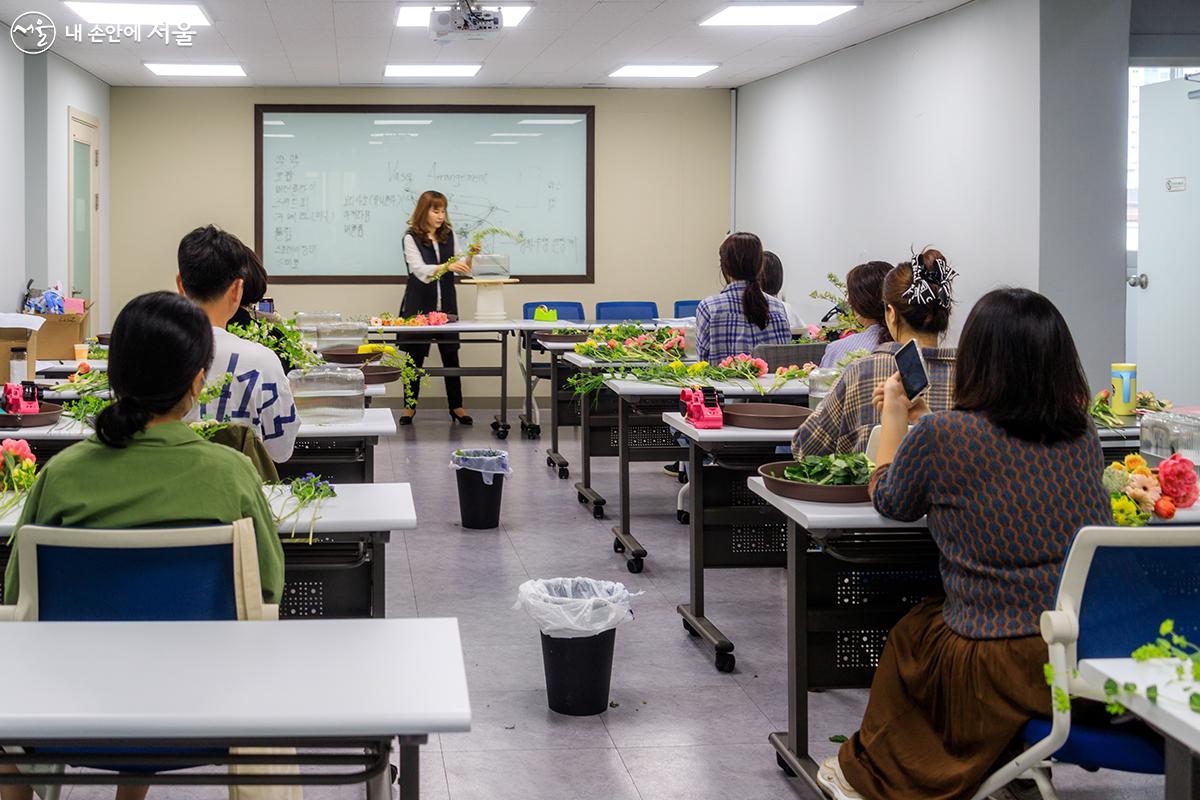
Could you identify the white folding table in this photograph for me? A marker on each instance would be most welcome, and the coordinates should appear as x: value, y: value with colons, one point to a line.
x: 341, y: 572
x: 144, y: 685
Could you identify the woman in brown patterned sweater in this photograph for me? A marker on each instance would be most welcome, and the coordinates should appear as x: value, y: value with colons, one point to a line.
x: 1005, y: 479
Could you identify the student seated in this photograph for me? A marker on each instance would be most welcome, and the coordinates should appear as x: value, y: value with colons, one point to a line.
x: 961, y: 675
x: 211, y: 266
x: 145, y: 467
x: 741, y: 317
x: 864, y: 291
x: 772, y: 284
x: 917, y: 300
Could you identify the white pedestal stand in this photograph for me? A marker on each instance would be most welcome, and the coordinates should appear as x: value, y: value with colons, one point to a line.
x: 489, y: 298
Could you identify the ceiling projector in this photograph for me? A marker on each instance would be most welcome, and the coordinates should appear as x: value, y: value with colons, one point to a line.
x: 464, y: 20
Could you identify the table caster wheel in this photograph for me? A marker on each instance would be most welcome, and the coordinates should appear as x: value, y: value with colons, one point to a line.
x: 598, y: 512
x: 783, y: 765
x: 581, y: 497
x: 502, y: 433
x: 617, y: 546
x: 635, y: 565
x: 549, y: 461
x: 535, y: 431
x: 726, y: 662
x: 687, y: 626
x: 563, y: 473
x: 495, y: 425
x: 683, y: 517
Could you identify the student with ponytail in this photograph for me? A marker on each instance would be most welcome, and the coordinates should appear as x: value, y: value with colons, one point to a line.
x: 145, y: 467
x: 742, y: 316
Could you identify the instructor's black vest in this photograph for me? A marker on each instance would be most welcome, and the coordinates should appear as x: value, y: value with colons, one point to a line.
x: 421, y: 297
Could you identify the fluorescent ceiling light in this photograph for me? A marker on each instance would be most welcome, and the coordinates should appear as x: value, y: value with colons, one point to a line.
x: 495, y: 143
x: 516, y: 134
x: 403, y: 121
x: 140, y: 13
x: 549, y: 121
x: 378, y: 135
x: 374, y: 142
x: 777, y: 14
x: 431, y: 70
x: 662, y: 70
x: 197, y: 70
x: 272, y: 122
x: 418, y: 16
x: 279, y: 136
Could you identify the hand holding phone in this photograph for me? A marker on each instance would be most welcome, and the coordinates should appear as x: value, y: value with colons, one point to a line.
x: 911, y: 365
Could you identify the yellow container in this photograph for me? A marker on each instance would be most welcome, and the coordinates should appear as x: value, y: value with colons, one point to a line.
x: 1124, y: 389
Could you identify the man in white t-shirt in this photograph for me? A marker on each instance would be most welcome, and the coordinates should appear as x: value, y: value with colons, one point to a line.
x: 211, y: 264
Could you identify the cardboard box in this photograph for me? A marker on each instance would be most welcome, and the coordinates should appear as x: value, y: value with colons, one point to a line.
x: 59, y: 335
x: 17, y: 330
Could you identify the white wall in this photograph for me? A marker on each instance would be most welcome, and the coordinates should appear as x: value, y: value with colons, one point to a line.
x: 928, y: 135
x: 12, y: 186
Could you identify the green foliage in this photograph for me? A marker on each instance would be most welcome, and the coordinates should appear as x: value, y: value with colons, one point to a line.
x: 94, y: 382
x: 208, y: 428
x: 1048, y: 672
x: 847, y: 469
x: 838, y: 739
x: 1062, y: 700
x: 213, y: 390
x: 282, y: 337
x: 308, y: 491
x: 845, y: 319
x: 411, y: 376
x: 1152, y: 694
x: 86, y: 408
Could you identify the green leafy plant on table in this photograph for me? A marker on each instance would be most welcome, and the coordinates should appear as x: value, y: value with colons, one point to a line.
x: 307, y: 492
x: 845, y: 469
x: 676, y: 373
x: 283, y: 338
x: 1180, y: 656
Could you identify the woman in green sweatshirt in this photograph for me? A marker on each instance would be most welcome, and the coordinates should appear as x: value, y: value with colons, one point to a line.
x: 145, y: 467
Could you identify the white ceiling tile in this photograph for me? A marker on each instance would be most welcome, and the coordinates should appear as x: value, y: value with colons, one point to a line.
x: 308, y: 15
x: 364, y: 17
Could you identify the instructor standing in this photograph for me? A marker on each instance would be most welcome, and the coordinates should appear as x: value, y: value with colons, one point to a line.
x: 428, y: 244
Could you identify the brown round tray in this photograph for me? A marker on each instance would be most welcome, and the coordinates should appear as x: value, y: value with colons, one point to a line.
x: 374, y: 373
x: 772, y: 475
x: 561, y: 338
x: 348, y: 354
x: 769, y: 416
x: 48, y: 414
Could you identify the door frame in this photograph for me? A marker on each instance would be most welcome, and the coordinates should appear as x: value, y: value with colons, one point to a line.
x: 84, y: 127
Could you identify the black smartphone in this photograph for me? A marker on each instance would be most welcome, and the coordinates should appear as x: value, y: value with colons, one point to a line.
x: 911, y: 364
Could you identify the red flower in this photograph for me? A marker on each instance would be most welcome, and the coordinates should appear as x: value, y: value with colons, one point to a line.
x: 1177, y: 476
x: 19, y: 448
x: 845, y: 333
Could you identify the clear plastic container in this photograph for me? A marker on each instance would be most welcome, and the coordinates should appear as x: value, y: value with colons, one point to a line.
x: 490, y: 265
x: 328, y: 394
x: 307, y: 322
x: 820, y: 381
x: 1165, y: 433
x: 340, y: 334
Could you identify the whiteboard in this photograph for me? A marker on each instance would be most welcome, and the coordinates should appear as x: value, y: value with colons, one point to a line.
x: 336, y: 186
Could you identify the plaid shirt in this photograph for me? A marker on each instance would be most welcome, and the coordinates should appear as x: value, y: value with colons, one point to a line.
x: 843, y: 421
x: 722, y: 329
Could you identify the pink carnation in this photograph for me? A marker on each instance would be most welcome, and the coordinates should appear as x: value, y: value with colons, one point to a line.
x: 742, y: 357
x: 762, y: 366
x: 727, y: 361
x: 1177, y: 476
x: 19, y: 448
x: 813, y: 331
x: 629, y: 343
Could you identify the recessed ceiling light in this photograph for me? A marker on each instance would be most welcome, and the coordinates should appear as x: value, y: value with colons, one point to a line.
x: 379, y: 135
x: 516, y: 134
x: 140, y: 13
x: 374, y: 142
x: 495, y: 143
x: 197, y: 70
x: 549, y: 121
x: 662, y: 70
x: 431, y: 70
x: 403, y: 122
x: 279, y: 136
x: 418, y: 16
x: 777, y: 14
x: 272, y: 122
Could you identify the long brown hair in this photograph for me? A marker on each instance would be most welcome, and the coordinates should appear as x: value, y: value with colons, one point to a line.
x: 416, y: 223
x: 742, y: 260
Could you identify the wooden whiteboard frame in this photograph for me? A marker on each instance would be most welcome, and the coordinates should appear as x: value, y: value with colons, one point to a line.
x: 588, y: 112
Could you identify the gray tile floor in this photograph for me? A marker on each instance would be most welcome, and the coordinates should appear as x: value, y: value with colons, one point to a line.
x: 680, y: 729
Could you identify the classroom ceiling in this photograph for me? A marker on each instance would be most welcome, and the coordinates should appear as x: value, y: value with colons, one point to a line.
x: 562, y: 43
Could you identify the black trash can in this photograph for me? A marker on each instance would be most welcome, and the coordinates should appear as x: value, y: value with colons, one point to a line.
x: 478, y: 503
x: 578, y: 672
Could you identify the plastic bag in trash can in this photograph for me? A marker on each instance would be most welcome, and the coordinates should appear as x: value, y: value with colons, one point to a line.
x: 571, y: 608
x: 486, y: 462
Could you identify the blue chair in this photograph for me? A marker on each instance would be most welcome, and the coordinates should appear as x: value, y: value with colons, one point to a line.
x: 170, y: 574
x: 567, y: 310
x: 1117, y: 586
x: 685, y: 308
x: 627, y: 311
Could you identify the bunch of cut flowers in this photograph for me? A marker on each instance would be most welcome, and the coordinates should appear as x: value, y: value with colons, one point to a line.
x: 1138, y: 492
x: 17, y: 472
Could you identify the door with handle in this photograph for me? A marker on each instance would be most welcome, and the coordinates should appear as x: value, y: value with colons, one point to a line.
x: 83, y: 211
x: 1169, y: 242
